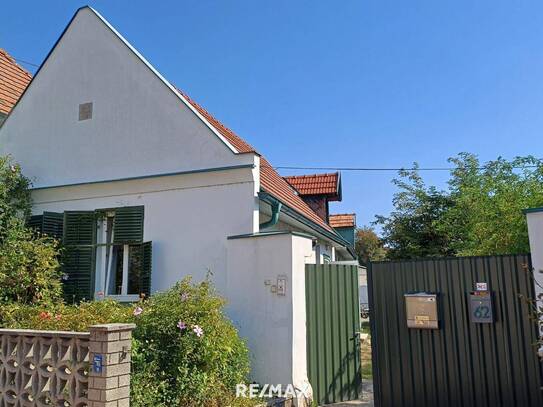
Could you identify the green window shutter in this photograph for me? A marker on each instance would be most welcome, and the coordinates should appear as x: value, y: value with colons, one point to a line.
x: 79, y: 228
x: 49, y: 223
x: 139, y: 276
x: 53, y: 224
x: 78, y: 255
x: 77, y: 265
x: 128, y: 226
x: 35, y: 222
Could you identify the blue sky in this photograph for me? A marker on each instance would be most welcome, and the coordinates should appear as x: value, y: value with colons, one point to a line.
x: 343, y: 83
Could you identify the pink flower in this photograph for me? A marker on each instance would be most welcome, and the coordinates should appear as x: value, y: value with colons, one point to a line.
x: 58, y: 317
x: 198, y: 330
x: 137, y: 311
x: 181, y: 325
x: 184, y: 297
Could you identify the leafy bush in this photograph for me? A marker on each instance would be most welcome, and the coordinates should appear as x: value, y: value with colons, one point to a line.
x: 185, y: 351
x: 29, y: 268
x: 62, y: 317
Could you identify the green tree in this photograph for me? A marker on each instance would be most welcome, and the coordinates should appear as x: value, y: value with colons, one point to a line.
x: 479, y: 214
x: 368, y: 245
x: 487, y: 216
x: 413, y: 228
x: 29, y: 268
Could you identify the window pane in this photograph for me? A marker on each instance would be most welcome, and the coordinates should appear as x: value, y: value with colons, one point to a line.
x: 115, y: 275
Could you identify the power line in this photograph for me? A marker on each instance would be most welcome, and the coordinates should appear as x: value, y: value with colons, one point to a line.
x: 22, y: 61
x: 390, y: 169
x: 369, y: 169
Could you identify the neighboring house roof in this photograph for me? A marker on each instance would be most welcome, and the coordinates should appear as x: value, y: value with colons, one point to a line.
x: 13, y: 81
x: 342, y: 220
x: 270, y: 180
x: 317, y: 184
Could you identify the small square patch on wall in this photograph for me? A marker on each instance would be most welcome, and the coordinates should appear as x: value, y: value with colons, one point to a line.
x: 85, y: 111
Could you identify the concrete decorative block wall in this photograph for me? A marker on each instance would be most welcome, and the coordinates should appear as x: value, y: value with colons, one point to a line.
x: 55, y: 368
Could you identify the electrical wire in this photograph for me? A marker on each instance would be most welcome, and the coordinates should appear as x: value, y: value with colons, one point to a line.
x: 368, y: 169
x: 22, y: 61
x: 280, y: 167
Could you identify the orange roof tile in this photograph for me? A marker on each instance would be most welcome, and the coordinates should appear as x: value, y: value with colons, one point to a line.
x: 239, y: 144
x: 342, y: 220
x: 315, y: 184
x: 270, y: 180
x: 13, y: 81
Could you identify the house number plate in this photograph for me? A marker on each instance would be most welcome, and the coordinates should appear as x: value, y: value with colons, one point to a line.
x: 481, y: 307
x: 97, y: 363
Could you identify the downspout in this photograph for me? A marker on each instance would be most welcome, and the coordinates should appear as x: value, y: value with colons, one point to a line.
x: 276, y: 209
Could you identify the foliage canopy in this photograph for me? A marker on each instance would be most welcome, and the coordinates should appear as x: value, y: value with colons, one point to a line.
x: 481, y: 212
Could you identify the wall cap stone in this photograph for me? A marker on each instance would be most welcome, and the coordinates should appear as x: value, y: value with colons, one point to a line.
x: 35, y: 332
x: 113, y: 327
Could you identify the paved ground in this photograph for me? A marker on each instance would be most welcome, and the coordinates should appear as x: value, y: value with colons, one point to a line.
x: 366, y: 401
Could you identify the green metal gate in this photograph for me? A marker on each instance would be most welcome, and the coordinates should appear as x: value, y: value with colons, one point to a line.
x: 463, y: 363
x: 333, y: 322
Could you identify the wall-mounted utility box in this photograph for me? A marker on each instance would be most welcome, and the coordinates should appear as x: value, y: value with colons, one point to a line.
x: 480, y: 305
x: 421, y: 310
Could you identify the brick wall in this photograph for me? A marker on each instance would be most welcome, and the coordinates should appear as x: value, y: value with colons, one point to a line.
x: 66, y: 368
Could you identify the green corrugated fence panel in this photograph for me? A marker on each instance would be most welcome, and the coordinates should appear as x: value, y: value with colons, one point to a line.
x: 332, y: 332
x: 463, y: 363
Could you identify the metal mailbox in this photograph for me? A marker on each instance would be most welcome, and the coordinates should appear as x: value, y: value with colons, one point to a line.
x: 421, y: 310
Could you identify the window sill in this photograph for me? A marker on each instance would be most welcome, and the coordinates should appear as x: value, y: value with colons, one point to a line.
x: 124, y: 298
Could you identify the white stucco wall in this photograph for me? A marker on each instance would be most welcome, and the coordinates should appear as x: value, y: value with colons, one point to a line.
x: 322, y: 247
x: 274, y: 325
x: 363, y: 285
x: 139, y: 125
x: 535, y: 232
x: 188, y: 217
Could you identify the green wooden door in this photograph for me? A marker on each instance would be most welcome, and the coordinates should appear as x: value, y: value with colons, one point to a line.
x: 333, y: 322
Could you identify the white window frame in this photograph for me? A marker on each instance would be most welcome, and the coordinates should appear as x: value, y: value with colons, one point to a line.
x: 102, y: 278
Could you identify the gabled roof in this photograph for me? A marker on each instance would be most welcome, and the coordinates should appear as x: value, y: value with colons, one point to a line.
x: 342, y: 220
x: 270, y: 181
x: 317, y: 184
x: 13, y: 81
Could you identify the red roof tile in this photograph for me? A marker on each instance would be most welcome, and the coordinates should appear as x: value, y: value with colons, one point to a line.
x: 270, y: 180
x: 342, y: 220
x: 13, y: 81
x: 315, y: 184
x: 238, y: 143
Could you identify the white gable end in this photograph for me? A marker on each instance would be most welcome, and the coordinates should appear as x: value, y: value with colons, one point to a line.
x: 139, y: 125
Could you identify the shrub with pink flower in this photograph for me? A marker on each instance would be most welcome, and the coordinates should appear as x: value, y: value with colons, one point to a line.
x: 198, y: 330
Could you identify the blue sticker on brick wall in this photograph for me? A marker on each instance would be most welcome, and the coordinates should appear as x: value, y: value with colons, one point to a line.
x: 97, y: 363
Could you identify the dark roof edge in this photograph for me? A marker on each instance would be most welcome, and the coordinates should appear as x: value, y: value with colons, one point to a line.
x: 533, y: 210
x: 273, y: 233
x: 268, y: 198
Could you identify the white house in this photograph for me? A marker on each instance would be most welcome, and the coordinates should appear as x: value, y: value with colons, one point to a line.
x: 534, y: 217
x: 136, y: 177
